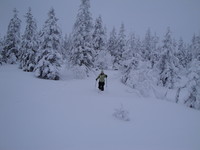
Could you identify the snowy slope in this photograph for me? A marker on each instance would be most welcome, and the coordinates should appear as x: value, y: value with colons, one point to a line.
x: 70, y: 114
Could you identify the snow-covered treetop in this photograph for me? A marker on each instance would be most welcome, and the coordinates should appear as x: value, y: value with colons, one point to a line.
x: 99, y: 38
x: 29, y: 40
x: 84, y: 18
x: 167, y: 42
x: 51, y: 33
x: 13, y: 32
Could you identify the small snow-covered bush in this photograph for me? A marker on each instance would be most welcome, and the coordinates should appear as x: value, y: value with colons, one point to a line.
x: 79, y: 72
x: 121, y: 114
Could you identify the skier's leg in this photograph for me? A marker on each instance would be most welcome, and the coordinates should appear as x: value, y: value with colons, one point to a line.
x: 99, y: 86
x: 103, y: 83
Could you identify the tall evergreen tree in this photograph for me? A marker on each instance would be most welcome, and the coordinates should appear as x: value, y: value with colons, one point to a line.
x: 130, y: 51
x: 1, y: 44
x: 131, y: 46
x: 48, y: 58
x: 129, y: 70
x: 1, y: 49
x: 147, y: 46
x: 67, y: 46
x: 81, y: 50
x: 112, y: 42
x: 12, y: 44
x: 167, y: 66
x: 98, y: 36
x: 154, y: 56
x: 193, y: 86
x: 99, y: 45
x: 121, y: 47
x: 182, y: 54
x: 106, y: 34
x: 195, y: 47
x: 30, y: 44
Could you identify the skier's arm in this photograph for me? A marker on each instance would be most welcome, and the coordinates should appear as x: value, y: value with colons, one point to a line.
x: 98, y: 77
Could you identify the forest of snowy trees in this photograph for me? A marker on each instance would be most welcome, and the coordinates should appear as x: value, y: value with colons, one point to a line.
x: 150, y: 65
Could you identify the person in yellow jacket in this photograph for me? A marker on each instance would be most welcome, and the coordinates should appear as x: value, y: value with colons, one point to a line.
x: 101, y: 78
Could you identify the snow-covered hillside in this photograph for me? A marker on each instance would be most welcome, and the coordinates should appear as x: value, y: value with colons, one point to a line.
x: 71, y: 114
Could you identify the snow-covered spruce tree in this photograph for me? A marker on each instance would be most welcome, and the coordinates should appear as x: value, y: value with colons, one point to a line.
x: 29, y: 45
x: 195, y: 47
x: 105, y: 33
x: 98, y: 36
x: 129, y: 52
x: 183, y: 54
x: 131, y: 63
x: 167, y: 63
x: 48, y: 59
x: 12, y: 43
x: 1, y: 49
x: 149, y: 48
x: 67, y: 46
x: 193, y: 85
x: 102, y: 56
x: 112, y: 44
x: 82, y: 53
x: 121, y: 47
x: 129, y: 69
x: 154, y: 56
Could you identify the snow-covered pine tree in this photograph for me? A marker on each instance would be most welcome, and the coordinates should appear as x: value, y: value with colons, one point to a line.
x: 193, y: 86
x: 98, y: 36
x: 129, y: 52
x: 105, y: 33
x: 195, y: 47
x: 154, y: 56
x: 1, y: 49
x: 182, y: 54
x: 12, y: 43
x: 102, y: 56
x: 1, y: 44
x: 147, y: 46
x: 128, y: 70
x: 121, y: 47
x: 81, y: 54
x: 67, y: 46
x: 30, y: 44
x: 112, y: 44
x: 167, y: 63
x: 48, y: 58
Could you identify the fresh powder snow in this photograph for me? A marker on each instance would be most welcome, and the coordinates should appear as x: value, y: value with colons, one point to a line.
x: 70, y: 114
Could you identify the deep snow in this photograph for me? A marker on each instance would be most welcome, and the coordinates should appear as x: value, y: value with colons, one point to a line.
x: 71, y: 114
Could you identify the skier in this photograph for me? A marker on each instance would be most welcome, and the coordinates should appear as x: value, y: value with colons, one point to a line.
x: 101, y: 78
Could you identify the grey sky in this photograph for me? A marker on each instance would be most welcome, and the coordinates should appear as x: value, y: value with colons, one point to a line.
x: 137, y: 15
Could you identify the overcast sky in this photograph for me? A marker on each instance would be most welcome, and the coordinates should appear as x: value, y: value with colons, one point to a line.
x: 183, y: 16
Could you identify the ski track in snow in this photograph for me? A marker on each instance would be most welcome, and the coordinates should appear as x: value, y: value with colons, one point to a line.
x: 71, y: 114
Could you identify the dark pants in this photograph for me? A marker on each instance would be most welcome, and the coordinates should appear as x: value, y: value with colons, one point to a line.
x: 101, y: 86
